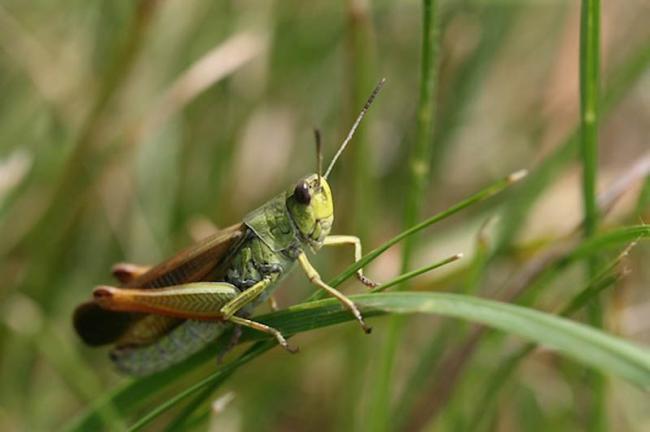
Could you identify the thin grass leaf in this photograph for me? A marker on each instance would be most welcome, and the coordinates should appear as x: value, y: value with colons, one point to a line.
x: 498, y: 379
x: 607, y: 240
x: 587, y: 345
x: 421, y: 375
x: 589, y: 98
x: 128, y: 398
x: 582, y: 343
x: 482, y: 195
x: 418, y: 177
x: 587, y: 248
x: 212, y: 380
x: 180, y: 422
x: 624, y: 77
x: 453, y: 364
x: 410, y: 275
x: 589, y: 113
x: 419, y: 164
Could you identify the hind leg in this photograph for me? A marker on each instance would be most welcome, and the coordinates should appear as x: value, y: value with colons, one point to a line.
x: 199, y: 300
x: 126, y: 272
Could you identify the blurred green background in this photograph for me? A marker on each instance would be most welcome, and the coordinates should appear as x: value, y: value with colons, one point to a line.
x: 129, y: 129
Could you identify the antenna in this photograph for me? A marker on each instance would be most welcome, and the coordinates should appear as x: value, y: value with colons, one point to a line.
x: 319, y: 154
x: 363, y: 112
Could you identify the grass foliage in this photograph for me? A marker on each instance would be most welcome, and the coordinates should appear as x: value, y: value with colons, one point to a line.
x: 130, y: 128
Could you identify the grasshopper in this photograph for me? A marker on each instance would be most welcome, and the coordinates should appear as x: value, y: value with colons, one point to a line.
x: 162, y: 314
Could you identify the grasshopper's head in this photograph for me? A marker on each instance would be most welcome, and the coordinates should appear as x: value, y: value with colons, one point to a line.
x: 310, y: 201
x: 311, y: 207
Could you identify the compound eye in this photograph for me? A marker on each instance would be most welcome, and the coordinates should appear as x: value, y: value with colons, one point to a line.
x: 301, y: 193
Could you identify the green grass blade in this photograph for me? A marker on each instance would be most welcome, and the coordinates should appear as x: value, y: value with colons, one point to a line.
x: 607, y: 240
x: 589, y: 112
x: 583, y: 343
x: 623, y: 79
x: 580, y: 342
x: 308, y: 316
x: 418, y: 177
x: 419, y: 164
x: 500, y: 377
x: 212, y: 380
x: 421, y: 377
x: 410, y: 275
x: 589, y: 98
x: 482, y: 195
x: 586, y: 249
x: 180, y: 422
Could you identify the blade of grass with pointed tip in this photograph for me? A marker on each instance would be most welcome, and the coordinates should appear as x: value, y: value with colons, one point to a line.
x: 500, y: 377
x: 582, y: 343
x: 459, y: 358
x: 482, y: 195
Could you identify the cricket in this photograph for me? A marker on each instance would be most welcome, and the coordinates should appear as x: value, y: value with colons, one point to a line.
x: 160, y: 315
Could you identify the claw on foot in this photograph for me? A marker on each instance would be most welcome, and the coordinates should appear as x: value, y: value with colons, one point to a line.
x: 357, y: 314
x: 284, y: 344
x: 367, y: 281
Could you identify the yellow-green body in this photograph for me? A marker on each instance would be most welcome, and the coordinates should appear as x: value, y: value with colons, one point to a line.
x: 275, y: 235
x: 163, y: 314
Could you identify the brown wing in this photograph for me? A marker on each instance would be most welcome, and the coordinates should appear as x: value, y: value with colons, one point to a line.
x: 199, y: 262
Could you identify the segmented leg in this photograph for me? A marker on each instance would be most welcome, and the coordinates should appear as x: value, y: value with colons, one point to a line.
x: 229, y: 310
x: 340, y: 240
x: 244, y: 298
x: 126, y: 272
x: 266, y: 329
x: 201, y: 300
x: 315, y: 278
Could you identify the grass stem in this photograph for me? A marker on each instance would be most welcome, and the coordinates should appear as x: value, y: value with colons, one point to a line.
x: 589, y: 101
x: 418, y: 176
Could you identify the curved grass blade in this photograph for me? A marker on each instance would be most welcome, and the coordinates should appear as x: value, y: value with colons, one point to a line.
x: 212, y: 380
x: 133, y: 395
x: 582, y: 343
x: 578, y: 341
x: 481, y: 195
x: 606, y: 278
x: 506, y: 368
